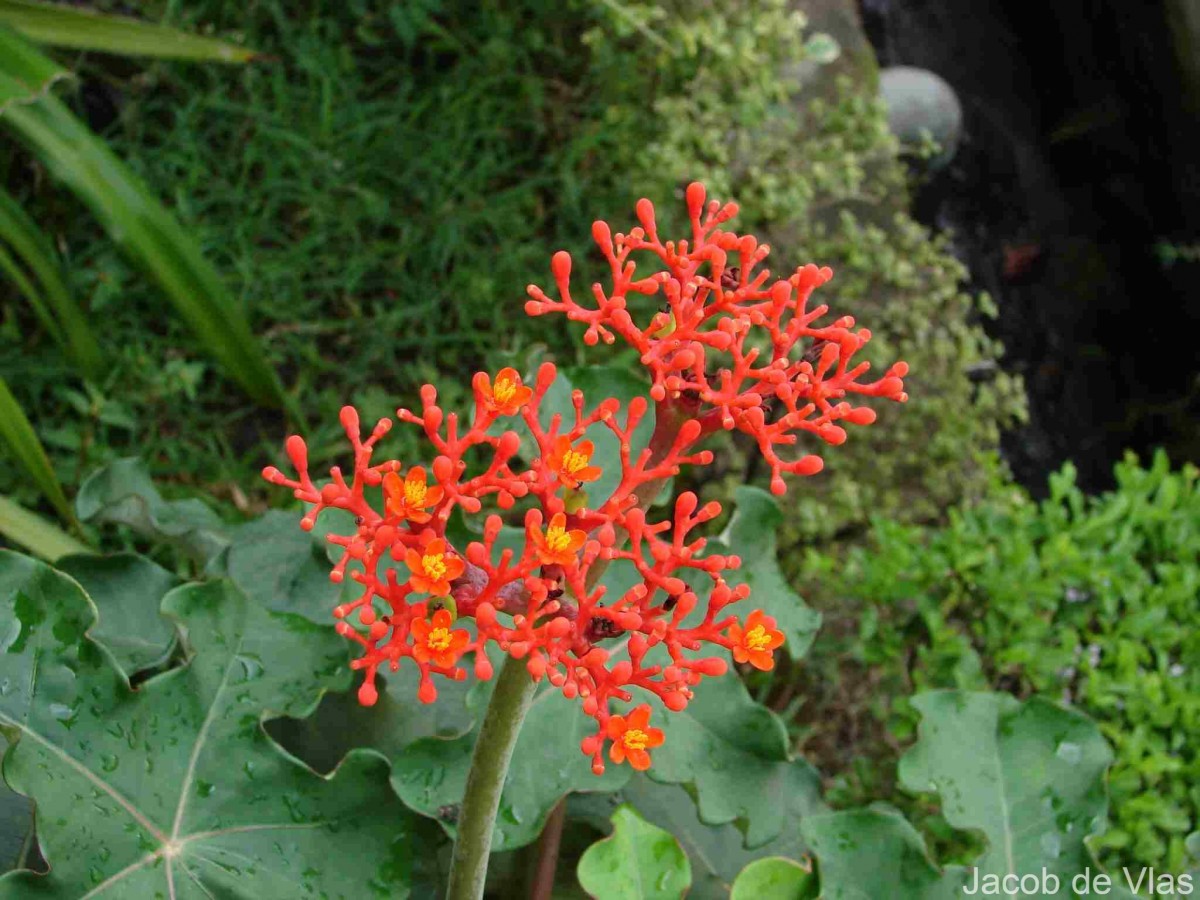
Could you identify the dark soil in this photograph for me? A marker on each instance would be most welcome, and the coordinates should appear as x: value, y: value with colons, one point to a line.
x: 1078, y: 163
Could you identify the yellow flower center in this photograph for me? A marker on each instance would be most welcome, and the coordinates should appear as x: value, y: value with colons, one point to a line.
x: 414, y: 492
x: 438, y: 640
x: 757, y: 638
x: 573, y: 461
x: 434, y: 566
x: 557, y: 539
x: 504, y: 390
x: 635, y: 739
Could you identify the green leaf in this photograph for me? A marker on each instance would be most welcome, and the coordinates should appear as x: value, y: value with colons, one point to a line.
x: 28, y: 453
x: 122, y: 493
x: 134, y: 219
x: 775, y: 878
x: 430, y: 775
x: 1029, y: 776
x: 174, y: 789
x: 751, y: 535
x: 636, y: 862
x: 396, y: 721
x: 69, y: 26
x: 128, y: 591
x: 868, y: 854
x: 16, y: 828
x: 284, y: 567
x: 734, y: 755
x: 25, y: 74
x: 46, y: 291
x: 716, y: 851
x: 36, y: 534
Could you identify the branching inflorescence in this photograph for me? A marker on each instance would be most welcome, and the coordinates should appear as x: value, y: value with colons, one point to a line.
x: 728, y: 349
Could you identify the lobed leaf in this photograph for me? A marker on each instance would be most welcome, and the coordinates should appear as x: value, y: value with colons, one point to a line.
x: 717, y: 852
x: 128, y: 591
x: 174, y: 789
x: 1029, y: 776
x: 751, y: 534
x: 733, y: 755
x: 866, y: 854
x: 430, y: 775
x: 396, y: 721
x: 638, y: 861
x: 775, y: 878
x: 285, y: 568
x: 122, y: 493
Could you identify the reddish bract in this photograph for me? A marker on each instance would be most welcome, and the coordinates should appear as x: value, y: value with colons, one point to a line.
x: 727, y: 351
x: 729, y: 345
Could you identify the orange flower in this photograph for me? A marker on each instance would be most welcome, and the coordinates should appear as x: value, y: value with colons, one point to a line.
x: 631, y: 738
x: 571, y: 463
x: 558, y: 546
x: 757, y: 641
x: 408, y: 499
x: 507, y: 395
x: 434, y: 641
x: 433, y: 569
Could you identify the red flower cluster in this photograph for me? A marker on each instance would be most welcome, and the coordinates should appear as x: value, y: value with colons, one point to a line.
x: 729, y: 347
x: 544, y: 604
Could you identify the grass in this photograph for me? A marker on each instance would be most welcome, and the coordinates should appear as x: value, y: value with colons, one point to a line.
x: 376, y: 195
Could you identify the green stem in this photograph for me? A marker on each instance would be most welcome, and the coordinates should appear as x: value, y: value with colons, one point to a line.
x: 489, y: 765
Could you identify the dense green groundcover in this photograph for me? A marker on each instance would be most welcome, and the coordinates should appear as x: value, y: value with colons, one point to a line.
x: 1091, y: 602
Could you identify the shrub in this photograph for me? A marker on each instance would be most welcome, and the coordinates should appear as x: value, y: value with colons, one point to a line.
x: 1089, y: 600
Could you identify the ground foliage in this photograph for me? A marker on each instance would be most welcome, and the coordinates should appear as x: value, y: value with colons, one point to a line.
x: 1087, y: 601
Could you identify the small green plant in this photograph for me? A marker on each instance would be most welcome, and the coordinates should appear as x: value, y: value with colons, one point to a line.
x: 1091, y: 601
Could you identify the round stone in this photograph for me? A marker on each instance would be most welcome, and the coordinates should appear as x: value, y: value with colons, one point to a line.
x: 921, y: 105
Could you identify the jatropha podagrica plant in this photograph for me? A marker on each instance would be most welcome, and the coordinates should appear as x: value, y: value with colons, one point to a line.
x: 729, y: 348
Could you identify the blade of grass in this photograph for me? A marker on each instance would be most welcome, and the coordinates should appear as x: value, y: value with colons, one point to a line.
x: 27, y: 450
x: 49, y: 296
x: 16, y: 274
x: 64, y: 26
x: 133, y: 218
x: 39, y: 536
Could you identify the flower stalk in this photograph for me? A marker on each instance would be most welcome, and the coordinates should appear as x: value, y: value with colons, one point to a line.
x: 489, y: 766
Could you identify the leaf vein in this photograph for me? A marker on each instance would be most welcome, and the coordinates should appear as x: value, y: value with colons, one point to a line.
x: 209, y: 718
x: 89, y: 775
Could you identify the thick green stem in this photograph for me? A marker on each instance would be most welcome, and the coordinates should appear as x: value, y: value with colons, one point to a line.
x: 489, y: 765
x: 506, y: 713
